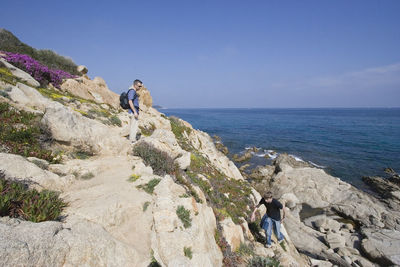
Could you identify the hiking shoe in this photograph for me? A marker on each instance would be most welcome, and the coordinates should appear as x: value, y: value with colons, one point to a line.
x: 267, y: 246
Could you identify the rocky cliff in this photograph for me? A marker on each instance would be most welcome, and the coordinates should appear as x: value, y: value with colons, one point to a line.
x: 171, y: 199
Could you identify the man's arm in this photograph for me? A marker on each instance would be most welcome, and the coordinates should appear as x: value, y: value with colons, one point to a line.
x: 253, y: 215
x: 283, y: 213
x: 133, y: 109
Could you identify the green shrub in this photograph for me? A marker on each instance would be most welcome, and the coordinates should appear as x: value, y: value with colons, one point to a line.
x: 146, y: 205
x: 153, y: 262
x: 20, y: 133
x: 81, y: 154
x: 7, y: 77
x: 10, y: 43
x: 147, y: 131
x: 225, y: 194
x: 259, y: 261
x: 244, y: 250
x: 4, y: 94
x: 158, y: 160
x: 149, y: 187
x: 40, y: 164
x: 180, y: 179
x: 184, y: 216
x: 114, y: 120
x: 87, y: 176
x: 133, y: 178
x: 16, y: 200
x: 178, y: 128
x: 188, y: 252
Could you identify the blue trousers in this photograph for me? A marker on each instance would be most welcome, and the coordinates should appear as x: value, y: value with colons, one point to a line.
x: 267, y: 225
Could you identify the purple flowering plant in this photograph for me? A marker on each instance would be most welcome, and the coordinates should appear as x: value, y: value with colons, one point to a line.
x: 38, y: 71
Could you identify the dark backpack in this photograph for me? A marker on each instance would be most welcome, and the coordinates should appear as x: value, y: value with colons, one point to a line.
x: 124, y: 101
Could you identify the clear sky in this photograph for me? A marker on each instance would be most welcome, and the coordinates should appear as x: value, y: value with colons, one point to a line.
x: 343, y: 53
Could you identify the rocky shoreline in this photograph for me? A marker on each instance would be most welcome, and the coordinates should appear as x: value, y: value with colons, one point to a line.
x: 329, y: 219
x: 124, y: 209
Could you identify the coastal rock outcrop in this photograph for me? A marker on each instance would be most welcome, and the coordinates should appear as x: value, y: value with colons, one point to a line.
x: 20, y: 73
x: 17, y: 167
x: 96, y: 90
x: 331, y: 216
x: 70, y: 128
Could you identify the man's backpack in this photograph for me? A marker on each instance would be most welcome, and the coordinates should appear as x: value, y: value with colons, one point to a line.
x: 124, y: 101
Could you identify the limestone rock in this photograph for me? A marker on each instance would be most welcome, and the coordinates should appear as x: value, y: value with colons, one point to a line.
x: 184, y: 160
x: 290, y: 200
x: 233, y: 233
x: 145, y: 98
x: 382, y: 246
x: 95, y: 90
x: 262, y: 173
x: 204, y: 144
x: 240, y: 158
x: 335, y: 240
x: 28, y: 96
x: 20, y: 73
x: 82, y: 69
x: 51, y: 244
x: 15, y: 166
x: 83, y: 133
x: 171, y: 237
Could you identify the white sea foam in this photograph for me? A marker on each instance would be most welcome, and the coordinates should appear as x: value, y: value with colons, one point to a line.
x: 296, y: 158
x: 316, y: 165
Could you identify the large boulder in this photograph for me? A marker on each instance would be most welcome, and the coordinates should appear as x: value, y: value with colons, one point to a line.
x: 204, y: 144
x: 145, y: 97
x: 165, y: 140
x: 69, y: 127
x: 20, y: 73
x: 17, y: 167
x: 382, y: 246
x: 54, y: 244
x: 95, y: 90
x: 171, y: 237
x: 30, y: 97
x: 82, y: 69
x: 233, y: 233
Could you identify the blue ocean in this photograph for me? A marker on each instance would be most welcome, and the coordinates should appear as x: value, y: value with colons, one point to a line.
x: 347, y: 143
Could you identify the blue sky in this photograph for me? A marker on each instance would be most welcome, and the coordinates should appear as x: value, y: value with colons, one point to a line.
x: 227, y: 53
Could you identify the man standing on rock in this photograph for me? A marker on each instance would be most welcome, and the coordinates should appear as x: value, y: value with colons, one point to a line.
x: 271, y: 218
x: 133, y: 99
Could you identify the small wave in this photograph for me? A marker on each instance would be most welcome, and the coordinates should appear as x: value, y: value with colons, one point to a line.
x: 316, y: 165
x: 296, y: 158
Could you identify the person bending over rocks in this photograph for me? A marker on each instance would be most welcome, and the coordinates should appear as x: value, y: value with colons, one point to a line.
x: 133, y: 100
x: 272, y: 217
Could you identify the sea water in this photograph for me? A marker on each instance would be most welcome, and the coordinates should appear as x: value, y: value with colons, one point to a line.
x: 347, y: 143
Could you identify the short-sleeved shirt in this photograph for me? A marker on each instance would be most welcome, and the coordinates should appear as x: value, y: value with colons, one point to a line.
x: 132, y: 95
x: 273, y: 208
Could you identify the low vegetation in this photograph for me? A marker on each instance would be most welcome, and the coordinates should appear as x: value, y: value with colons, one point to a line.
x: 229, y: 197
x: 18, y: 201
x: 146, y: 205
x: 188, y: 252
x: 10, y: 43
x: 259, y: 261
x: 184, y: 216
x: 245, y: 250
x: 40, y: 72
x: 149, y: 187
x: 87, y: 176
x: 148, y: 130
x: 133, y: 178
x: 158, y: 160
x: 20, y: 134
